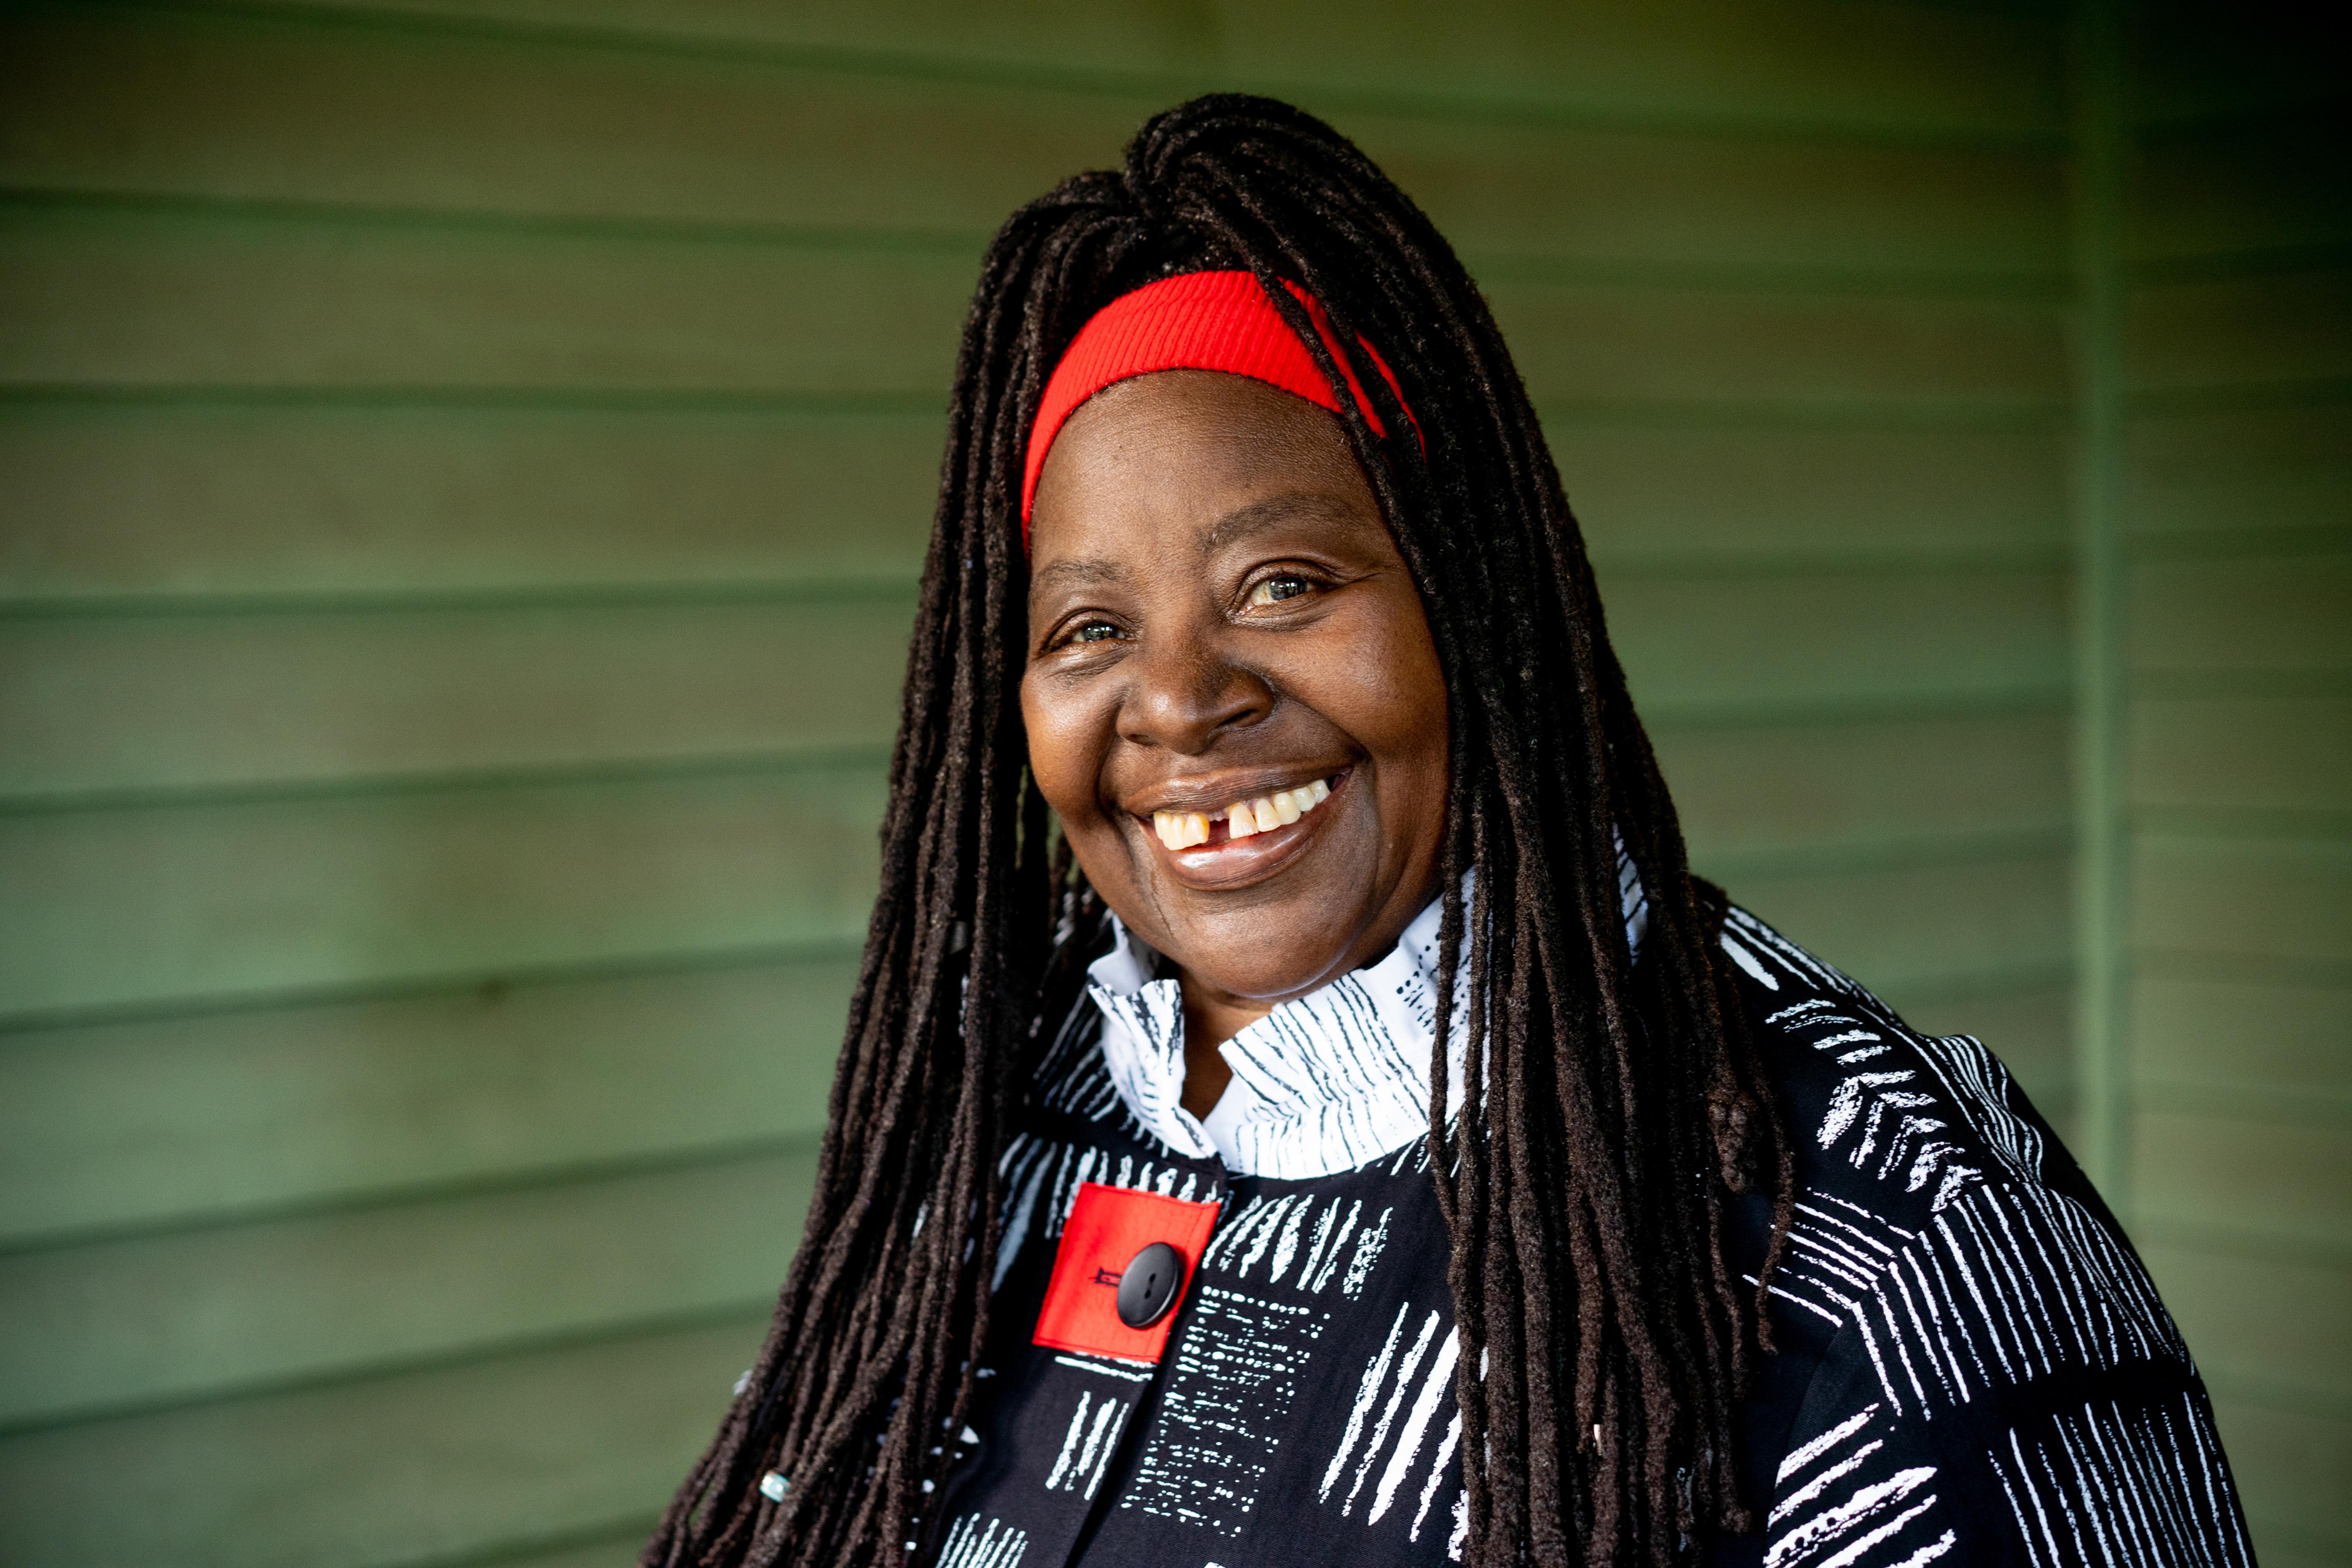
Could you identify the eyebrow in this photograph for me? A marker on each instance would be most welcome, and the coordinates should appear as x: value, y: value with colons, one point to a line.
x: 1274, y: 511
x: 1077, y: 573
x: 1257, y: 517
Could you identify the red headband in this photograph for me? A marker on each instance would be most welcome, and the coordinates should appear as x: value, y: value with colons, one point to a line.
x: 1195, y: 320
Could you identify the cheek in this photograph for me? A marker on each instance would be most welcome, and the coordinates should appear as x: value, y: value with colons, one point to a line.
x: 1391, y: 697
x: 1067, y: 740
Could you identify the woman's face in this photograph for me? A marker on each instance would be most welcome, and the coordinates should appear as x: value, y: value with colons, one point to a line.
x: 1218, y: 619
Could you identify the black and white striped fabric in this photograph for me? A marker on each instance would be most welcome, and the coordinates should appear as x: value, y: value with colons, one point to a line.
x: 1974, y: 1368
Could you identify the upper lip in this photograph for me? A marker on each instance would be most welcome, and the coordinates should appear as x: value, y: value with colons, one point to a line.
x: 1214, y: 791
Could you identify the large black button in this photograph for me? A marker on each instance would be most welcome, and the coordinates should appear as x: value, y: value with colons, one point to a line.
x: 1154, y: 1278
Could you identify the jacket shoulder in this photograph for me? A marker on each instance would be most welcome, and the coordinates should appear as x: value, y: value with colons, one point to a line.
x: 1991, y: 1354
x: 1898, y: 1121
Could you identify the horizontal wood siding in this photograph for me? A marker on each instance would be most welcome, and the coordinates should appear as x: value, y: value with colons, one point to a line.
x: 468, y: 462
x: 130, y: 1128
x: 2238, y: 519
x: 517, y: 1450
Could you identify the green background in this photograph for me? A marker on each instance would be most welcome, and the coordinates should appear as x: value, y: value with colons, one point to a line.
x: 464, y: 465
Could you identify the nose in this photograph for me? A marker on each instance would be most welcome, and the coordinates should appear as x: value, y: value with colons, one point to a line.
x: 1184, y: 694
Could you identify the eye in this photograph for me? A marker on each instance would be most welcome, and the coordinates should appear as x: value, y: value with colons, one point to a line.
x: 1093, y: 631
x: 1277, y: 588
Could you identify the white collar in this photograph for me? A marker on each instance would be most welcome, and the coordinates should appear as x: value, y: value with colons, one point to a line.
x: 1325, y: 1082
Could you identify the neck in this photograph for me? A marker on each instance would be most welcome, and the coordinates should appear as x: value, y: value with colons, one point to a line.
x: 1211, y: 1018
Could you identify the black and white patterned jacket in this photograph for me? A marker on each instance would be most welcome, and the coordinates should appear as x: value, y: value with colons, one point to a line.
x: 1974, y: 1367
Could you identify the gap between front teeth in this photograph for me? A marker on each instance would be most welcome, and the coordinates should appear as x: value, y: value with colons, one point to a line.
x: 1183, y: 829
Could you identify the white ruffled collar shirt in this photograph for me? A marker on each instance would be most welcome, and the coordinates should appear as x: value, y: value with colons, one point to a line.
x: 1323, y: 1083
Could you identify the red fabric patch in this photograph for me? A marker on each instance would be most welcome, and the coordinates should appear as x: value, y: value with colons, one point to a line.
x: 1106, y: 1228
x: 1195, y: 320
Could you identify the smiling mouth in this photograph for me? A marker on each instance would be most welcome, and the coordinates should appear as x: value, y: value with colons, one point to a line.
x: 1180, y: 830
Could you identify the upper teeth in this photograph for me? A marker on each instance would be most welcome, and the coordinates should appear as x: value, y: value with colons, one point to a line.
x: 1182, y: 829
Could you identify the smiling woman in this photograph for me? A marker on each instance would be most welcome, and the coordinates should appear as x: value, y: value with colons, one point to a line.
x: 1233, y: 703
x: 1298, y: 1106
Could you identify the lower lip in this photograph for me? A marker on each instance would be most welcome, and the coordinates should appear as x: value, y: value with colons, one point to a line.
x: 1237, y: 862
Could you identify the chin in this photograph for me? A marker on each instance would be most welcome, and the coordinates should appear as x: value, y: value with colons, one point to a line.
x: 1242, y: 964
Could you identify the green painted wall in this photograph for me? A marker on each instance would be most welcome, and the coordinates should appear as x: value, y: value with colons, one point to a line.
x: 465, y: 464
x: 2228, y: 1073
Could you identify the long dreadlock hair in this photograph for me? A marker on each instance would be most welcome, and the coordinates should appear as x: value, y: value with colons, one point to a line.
x: 1605, y: 1337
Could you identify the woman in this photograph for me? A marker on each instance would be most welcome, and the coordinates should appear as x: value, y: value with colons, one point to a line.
x: 1297, y: 1106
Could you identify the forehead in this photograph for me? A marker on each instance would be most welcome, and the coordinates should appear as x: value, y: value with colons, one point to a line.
x: 1186, y: 450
